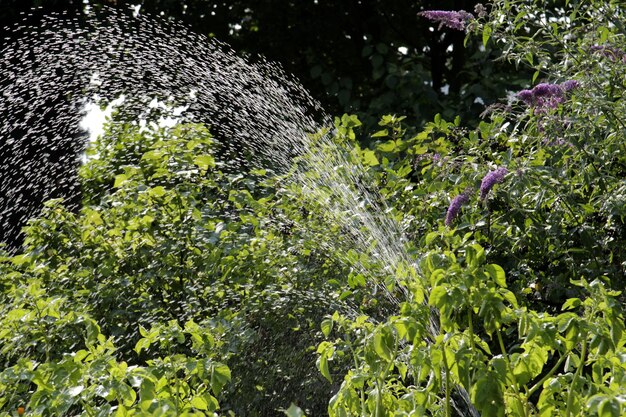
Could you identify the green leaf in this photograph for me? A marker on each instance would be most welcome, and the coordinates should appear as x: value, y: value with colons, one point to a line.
x: 475, y: 255
x: 119, y: 180
x: 322, y: 365
x: 94, y: 218
x: 571, y: 304
x: 497, y: 274
x: 609, y: 408
x: 430, y: 237
x: 383, y: 344
x: 294, y: 411
x: 204, y: 162
x: 369, y: 158
x: 487, y: 31
x: 326, y: 351
x: 327, y: 326
x: 220, y: 376
x: 530, y: 364
x: 488, y: 397
x: 157, y: 191
x: 381, y: 134
x: 142, y: 344
x: 199, y: 403
x: 121, y: 411
x: 21, y: 259
x: 128, y: 394
x: 438, y: 296
x: 535, y: 75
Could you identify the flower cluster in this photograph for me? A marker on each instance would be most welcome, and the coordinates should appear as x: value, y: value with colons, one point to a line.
x: 491, y: 179
x: 435, y: 158
x: 556, y: 142
x: 480, y: 10
x: 455, y: 206
x: 450, y: 19
x: 610, y: 52
x: 546, y: 96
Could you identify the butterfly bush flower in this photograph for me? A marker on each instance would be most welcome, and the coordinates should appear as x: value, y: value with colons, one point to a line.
x: 547, y: 96
x: 492, y: 178
x: 570, y: 85
x: 480, y: 10
x: 455, y: 206
x: 610, y: 52
x: 556, y: 142
x: 526, y: 96
x: 451, y: 19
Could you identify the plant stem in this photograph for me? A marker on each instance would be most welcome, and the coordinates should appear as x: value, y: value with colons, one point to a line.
x: 379, y: 399
x: 356, y: 366
x: 570, y: 395
x: 447, y: 376
x: 546, y: 376
x: 514, y: 382
x: 470, y: 327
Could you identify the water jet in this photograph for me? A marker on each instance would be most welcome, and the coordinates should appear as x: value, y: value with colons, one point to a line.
x: 260, y: 116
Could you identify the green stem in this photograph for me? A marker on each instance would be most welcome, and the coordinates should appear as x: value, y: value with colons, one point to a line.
x: 379, y: 400
x: 44, y: 330
x: 470, y: 327
x: 447, y: 376
x: 176, y: 381
x: 380, y: 381
x: 570, y: 395
x: 356, y: 366
x: 87, y: 408
x: 539, y: 384
x: 514, y: 382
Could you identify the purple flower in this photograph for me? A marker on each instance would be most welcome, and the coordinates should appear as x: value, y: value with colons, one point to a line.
x: 546, y: 90
x: 526, y: 96
x: 451, y: 19
x: 492, y: 178
x: 556, y: 142
x: 546, y: 96
x: 455, y: 206
x: 570, y: 85
x: 610, y: 52
x: 480, y: 10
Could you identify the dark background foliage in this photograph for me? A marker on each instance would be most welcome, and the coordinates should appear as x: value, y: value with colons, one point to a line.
x: 367, y: 57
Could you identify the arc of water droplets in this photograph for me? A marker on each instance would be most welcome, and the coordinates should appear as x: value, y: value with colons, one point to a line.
x: 45, y: 78
x: 256, y: 106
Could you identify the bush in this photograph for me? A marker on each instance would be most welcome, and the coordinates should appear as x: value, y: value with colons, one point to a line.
x: 454, y: 271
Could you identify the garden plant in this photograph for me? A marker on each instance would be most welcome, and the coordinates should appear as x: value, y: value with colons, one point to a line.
x: 186, y: 287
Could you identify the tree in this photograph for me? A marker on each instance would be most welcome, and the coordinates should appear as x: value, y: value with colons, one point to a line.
x: 368, y: 58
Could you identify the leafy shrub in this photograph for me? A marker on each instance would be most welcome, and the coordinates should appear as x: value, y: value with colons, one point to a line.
x: 166, y: 238
x: 526, y: 201
x: 453, y: 271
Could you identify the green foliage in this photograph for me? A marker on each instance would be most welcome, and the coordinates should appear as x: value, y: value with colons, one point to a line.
x: 58, y: 362
x: 526, y: 282
x: 251, y: 293
x: 165, y: 238
x: 367, y: 59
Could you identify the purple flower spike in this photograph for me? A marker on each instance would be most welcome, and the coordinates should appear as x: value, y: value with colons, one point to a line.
x: 492, y: 178
x: 545, y: 89
x: 526, y: 96
x: 610, y: 52
x: 455, y: 207
x: 570, y: 85
x: 451, y: 19
x: 546, y: 96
